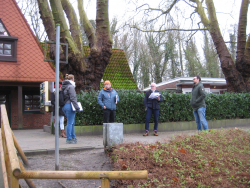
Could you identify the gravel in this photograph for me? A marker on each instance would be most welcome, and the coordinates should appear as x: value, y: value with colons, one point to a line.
x: 90, y: 160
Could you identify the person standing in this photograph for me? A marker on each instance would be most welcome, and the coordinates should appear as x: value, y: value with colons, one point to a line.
x: 108, y: 99
x: 68, y: 88
x: 61, y: 113
x: 152, y: 106
x: 198, y: 104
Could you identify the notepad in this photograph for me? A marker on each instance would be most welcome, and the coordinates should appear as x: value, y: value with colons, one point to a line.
x: 79, y: 105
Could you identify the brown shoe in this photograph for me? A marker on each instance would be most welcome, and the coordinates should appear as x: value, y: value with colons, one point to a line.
x: 155, y: 133
x: 146, y: 133
x: 63, y: 134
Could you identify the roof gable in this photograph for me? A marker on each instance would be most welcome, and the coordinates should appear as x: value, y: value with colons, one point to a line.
x: 30, y: 65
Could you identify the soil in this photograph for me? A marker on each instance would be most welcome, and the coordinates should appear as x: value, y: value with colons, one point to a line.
x: 90, y: 160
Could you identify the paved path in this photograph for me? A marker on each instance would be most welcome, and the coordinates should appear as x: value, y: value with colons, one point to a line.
x: 37, y: 141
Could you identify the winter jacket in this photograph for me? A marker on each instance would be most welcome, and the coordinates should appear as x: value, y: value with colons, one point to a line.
x: 61, y: 103
x: 107, y: 98
x: 69, y: 94
x: 198, y: 96
x: 152, y: 103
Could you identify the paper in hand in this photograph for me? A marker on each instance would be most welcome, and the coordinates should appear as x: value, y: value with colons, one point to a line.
x: 154, y: 95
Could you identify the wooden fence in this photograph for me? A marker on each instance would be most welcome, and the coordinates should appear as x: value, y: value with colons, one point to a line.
x: 13, y: 169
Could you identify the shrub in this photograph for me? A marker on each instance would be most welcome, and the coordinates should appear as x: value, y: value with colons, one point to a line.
x: 175, y: 107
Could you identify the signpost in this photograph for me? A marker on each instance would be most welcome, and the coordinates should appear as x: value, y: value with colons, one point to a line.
x: 57, y: 66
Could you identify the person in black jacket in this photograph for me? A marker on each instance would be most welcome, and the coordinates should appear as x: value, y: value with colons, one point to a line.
x: 61, y: 113
x: 152, y: 106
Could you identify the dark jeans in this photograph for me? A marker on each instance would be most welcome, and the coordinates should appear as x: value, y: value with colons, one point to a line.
x: 151, y: 111
x: 108, y: 116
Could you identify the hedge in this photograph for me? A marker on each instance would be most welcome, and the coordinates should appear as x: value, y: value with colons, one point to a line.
x: 175, y: 107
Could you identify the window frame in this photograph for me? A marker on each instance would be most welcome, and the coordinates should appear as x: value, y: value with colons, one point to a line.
x: 28, y: 92
x: 13, y: 42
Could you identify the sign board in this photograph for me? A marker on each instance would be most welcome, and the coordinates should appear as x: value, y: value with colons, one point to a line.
x: 45, y: 91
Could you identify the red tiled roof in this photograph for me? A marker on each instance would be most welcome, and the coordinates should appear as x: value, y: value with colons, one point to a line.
x: 30, y: 65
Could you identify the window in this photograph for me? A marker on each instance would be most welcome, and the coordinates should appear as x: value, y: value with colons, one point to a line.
x: 5, y: 49
x: 8, y: 45
x: 31, y: 103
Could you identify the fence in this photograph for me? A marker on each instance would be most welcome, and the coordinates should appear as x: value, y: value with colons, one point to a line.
x: 13, y: 169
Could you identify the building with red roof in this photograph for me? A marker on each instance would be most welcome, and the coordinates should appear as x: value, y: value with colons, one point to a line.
x: 22, y: 69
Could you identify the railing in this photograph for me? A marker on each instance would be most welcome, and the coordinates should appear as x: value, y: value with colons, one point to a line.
x: 13, y: 169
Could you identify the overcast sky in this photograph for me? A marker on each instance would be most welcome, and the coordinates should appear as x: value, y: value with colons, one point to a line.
x: 227, y: 11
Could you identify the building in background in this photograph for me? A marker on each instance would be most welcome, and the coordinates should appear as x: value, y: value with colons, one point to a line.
x: 185, y: 84
x: 22, y: 69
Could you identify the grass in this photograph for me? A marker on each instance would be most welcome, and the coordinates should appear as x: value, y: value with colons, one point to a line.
x: 214, y: 158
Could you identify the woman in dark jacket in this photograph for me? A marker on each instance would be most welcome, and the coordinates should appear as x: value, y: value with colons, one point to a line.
x: 61, y: 113
x: 68, y: 88
x: 152, y: 106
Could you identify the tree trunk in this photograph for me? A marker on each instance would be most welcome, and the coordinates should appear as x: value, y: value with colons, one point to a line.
x: 88, y: 71
x: 235, y: 81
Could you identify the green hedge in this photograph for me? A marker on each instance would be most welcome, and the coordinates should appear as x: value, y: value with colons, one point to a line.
x: 175, y: 107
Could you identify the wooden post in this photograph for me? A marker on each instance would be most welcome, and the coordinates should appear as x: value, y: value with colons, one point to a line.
x: 20, y: 107
x: 20, y: 151
x: 11, y: 156
x: 28, y: 181
x: 104, y: 183
x: 5, y: 178
x: 6, y: 156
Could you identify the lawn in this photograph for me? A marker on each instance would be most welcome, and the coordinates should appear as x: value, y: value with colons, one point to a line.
x: 214, y: 158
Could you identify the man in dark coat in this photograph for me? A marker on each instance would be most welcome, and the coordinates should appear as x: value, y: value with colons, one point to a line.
x: 151, y: 102
x: 198, y: 104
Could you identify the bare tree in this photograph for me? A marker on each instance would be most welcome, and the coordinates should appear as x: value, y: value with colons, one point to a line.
x: 211, y: 58
x: 194, y: 66
x: 237, y: 74
x: 30, y: 10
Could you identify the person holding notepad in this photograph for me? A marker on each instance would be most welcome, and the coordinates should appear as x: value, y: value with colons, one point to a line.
x: 151, y: 103
x: 107, y: 99
x: 70, y: 99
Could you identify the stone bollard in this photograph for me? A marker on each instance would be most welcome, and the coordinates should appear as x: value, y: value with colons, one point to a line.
x: 112, y: 134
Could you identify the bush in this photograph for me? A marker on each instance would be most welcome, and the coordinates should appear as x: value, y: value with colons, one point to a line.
x: 175, y: 107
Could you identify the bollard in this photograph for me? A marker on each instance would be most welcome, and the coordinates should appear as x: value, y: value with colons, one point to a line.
x: 112, y: 134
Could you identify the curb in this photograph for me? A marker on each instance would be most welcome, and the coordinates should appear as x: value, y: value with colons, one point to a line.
x: 61, y: 151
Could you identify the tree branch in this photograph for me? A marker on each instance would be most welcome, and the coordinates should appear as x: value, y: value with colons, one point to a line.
x: 74, y: 26
x: 102, y: 23
x: 87, y: 26
x: 173, y: 29
x: 47, y: 18
x: 242, y: 35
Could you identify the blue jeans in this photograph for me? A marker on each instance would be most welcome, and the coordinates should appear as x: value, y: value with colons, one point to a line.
x: 70, y: 114
x: 150, y: 111
x: 200, y: 118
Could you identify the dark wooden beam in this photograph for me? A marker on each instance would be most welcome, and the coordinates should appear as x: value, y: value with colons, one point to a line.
x: 20, y: 107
